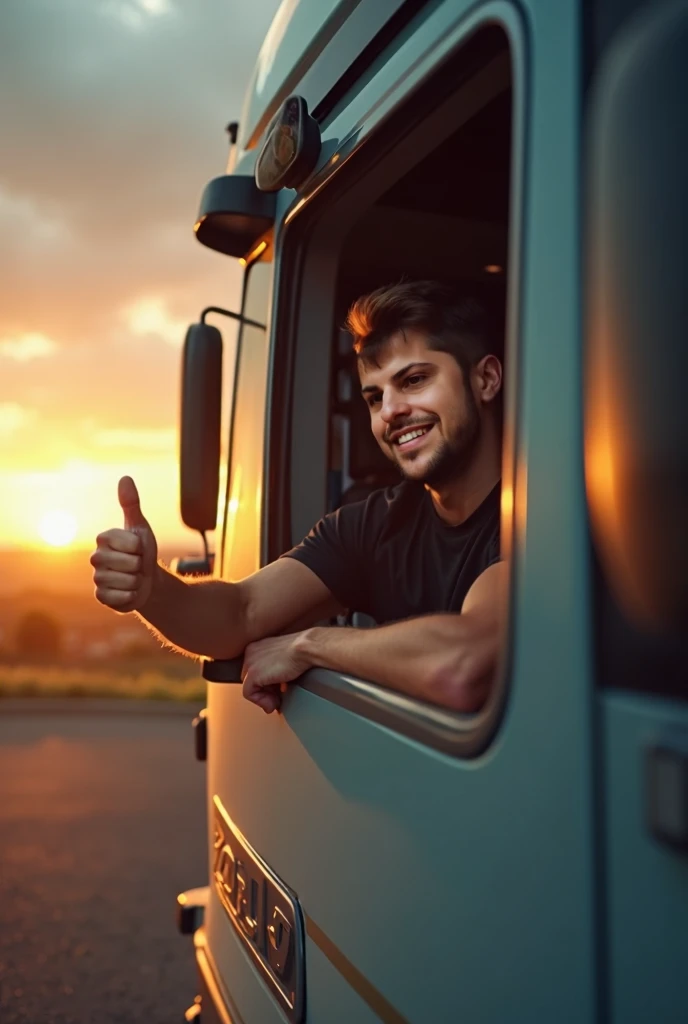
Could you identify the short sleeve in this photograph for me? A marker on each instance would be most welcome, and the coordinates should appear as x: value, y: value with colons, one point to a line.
x: 493, y: 553
x: 338, y: 550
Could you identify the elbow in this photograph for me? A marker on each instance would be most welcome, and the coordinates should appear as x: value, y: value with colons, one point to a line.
x: 461, y: 683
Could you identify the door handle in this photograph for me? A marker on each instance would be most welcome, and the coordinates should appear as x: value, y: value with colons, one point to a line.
x: 222, y: 670
x: 666, y: 789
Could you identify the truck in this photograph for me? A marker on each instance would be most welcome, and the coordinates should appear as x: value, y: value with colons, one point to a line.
x: 374, y: 857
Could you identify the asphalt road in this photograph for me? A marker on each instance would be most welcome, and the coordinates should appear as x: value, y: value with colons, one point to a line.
x: 102, y: 823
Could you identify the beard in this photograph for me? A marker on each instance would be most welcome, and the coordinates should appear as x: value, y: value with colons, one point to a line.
x: 453, y: 454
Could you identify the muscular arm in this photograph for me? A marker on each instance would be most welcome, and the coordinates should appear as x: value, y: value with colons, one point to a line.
x: 446, y: 659
x: 219, y: 619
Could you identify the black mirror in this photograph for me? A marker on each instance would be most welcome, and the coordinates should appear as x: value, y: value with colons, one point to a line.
x: 199, y: 462
x: 636, y: 416
x: 234, y: 215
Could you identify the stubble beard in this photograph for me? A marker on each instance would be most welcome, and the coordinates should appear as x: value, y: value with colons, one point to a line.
x: 453, y: 455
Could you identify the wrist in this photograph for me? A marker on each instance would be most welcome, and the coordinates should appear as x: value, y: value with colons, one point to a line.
x: 306, y: 644
x: 157, y: 585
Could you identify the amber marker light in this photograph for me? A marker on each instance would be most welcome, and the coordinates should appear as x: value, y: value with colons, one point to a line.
x: 253, y: 255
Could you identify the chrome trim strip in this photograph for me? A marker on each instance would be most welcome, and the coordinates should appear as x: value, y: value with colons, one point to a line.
x: 222, y: 1004
x: 358, y: 982
x: 264, y: 913
x: 448, y: 731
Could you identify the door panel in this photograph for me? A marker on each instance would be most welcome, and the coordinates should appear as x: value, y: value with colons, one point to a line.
x: 646, y: 881
x: 449, y: 886
x: 238, y: 975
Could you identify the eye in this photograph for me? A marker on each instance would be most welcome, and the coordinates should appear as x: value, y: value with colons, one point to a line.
x: 373, y: 400
x: 415, y: 379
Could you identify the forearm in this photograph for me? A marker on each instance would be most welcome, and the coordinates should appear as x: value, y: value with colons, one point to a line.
x: 445, y: 659
x: 204, y: 617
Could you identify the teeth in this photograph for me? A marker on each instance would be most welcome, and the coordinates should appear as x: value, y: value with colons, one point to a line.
x: 410, y: 436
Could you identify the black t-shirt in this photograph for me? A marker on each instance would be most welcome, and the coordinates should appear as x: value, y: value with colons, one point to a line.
x: 392, y: 557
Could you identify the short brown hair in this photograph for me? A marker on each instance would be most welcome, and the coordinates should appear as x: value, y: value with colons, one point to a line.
x: 454, y: 322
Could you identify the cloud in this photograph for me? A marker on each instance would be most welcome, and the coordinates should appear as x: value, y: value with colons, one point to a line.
x: 13, y: 417
x: 122, y: 128
x: 161, y: 439
x: 151, y: 316
x: 23, y: 219
x: 109, y: 137
x: 26, y: 347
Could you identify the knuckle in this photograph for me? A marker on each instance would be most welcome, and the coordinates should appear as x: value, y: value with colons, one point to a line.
x: 131, y: 542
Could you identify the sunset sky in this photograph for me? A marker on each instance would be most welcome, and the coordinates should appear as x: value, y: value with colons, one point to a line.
x: 113, y: 115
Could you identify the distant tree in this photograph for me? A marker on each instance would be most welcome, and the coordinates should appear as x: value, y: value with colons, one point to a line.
x: 38, y: 635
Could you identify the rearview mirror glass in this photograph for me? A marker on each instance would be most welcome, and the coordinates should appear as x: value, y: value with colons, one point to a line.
x: 199, y: 455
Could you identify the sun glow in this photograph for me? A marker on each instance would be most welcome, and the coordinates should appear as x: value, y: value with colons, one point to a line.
x: 58, y: 528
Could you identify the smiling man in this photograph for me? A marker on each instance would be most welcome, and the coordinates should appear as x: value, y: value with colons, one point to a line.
x: 421, y: 558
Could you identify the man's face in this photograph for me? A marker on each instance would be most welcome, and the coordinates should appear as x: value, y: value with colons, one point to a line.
x: 424, y: 416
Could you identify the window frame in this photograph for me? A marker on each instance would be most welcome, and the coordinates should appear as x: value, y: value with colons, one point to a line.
x: 223, y: 566
x: 308, y: 253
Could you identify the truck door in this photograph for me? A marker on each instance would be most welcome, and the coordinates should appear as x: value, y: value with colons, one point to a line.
x: 443, y: 864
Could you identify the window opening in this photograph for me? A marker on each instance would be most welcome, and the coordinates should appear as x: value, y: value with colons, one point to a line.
x: 446, y: 219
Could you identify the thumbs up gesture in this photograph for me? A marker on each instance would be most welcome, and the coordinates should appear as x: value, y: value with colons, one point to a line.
x: 125, y: 561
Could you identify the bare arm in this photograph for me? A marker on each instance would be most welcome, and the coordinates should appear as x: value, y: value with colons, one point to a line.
x: 219, y: 619
x: 446, y: 659
x: 208, y: 617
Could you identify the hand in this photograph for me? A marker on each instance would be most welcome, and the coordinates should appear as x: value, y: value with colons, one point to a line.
x: 269, y: 665
x: 125, y: 561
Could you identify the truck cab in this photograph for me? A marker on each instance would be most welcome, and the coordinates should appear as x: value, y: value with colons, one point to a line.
x: 373, y: 857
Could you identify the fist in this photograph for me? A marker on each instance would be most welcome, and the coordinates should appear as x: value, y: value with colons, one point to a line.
x: 125, y: 561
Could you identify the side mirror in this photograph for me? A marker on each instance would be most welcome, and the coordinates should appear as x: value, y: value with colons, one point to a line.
x: 636, y: 416
x: 234, y: 215
x: 199, y: 457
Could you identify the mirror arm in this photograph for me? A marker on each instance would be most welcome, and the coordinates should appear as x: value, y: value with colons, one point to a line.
x: 233, y: 316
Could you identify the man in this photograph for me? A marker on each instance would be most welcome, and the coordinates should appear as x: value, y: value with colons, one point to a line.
x: 425, y: 552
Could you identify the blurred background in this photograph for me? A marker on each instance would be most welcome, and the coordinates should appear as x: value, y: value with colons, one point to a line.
x: 113, y: 115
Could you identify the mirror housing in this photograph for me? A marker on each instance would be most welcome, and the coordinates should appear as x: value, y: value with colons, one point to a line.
x: 636, y: 415
x: 234, y: 215
x: 199, y: 454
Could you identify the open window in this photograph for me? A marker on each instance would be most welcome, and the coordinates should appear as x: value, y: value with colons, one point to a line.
x: 428, y: 195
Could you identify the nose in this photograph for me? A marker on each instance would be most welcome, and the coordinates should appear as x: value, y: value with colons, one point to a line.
x: 393, y: 405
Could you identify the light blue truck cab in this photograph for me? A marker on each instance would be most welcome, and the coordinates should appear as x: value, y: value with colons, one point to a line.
x: 373, y: 857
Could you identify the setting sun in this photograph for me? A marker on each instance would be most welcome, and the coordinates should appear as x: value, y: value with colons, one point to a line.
x: 58, y: 528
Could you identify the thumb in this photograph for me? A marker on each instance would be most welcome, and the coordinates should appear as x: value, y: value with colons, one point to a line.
x: 131, y: 506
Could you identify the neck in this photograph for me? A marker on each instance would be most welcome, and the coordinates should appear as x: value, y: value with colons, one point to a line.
x: 458, y: 499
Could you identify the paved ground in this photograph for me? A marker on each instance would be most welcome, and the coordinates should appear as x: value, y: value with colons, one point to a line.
x: 101, y: 823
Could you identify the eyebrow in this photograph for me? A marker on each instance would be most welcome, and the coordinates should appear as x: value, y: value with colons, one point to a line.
x: 396, y: 377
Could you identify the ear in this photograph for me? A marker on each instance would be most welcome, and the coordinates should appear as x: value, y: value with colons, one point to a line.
x: 487, y: 378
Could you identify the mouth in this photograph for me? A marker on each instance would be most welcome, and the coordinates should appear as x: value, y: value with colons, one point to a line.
x: 408, y: 440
